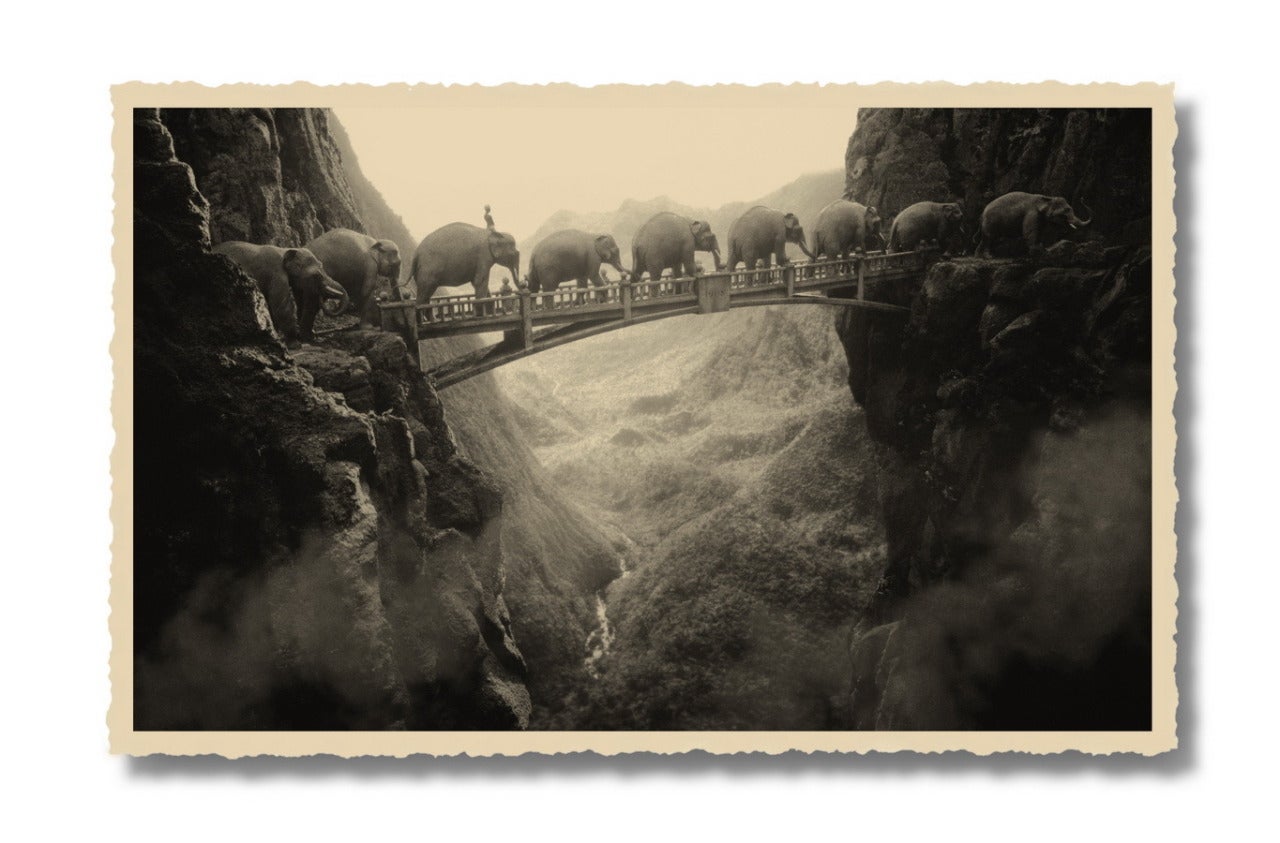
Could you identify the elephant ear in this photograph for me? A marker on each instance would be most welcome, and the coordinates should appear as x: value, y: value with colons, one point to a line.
x: 1043, y: 203
x: 496, y: 243
x: 290, y: 258
x: 603, y: 243
x: 697, y: 227
x: 791, y: 220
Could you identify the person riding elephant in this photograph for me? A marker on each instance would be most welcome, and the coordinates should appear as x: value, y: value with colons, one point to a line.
x: 1025, y: 216
x: 572, y: 255
x: 845, y: 227
x: 925, y: 222
x: 761, y: 233
x: 365, y: 267
x: 460, y: 253
x: 668, y: 241
x: 293, y: 282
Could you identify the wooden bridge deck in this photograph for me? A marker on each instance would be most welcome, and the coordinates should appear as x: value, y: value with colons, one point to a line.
x: 534, y: 322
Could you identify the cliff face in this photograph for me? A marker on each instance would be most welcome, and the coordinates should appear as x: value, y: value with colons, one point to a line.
x: 553, y: 555
x: 900, y: 156
x: 312, y: 551
x: 1014, y: 407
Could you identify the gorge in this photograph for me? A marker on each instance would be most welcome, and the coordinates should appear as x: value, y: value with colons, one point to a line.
x: 859, y: 525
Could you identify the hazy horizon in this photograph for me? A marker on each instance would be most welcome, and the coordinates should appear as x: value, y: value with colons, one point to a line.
x: 537, y: 161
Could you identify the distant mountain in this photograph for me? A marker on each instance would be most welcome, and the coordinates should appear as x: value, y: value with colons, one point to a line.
x: 804, y: 197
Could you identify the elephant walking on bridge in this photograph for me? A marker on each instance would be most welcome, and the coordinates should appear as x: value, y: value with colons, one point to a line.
x: 572, y: 255
x: 668, y: 241
x: 763, y: 233
x: 924, y: 222
x: 460, y: 253
x: 846, y: 227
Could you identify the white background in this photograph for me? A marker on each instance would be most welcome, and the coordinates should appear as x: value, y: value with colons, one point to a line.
x: 56, y: 208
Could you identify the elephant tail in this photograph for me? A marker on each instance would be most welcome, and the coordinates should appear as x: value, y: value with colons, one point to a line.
x: 413, y: 270
x: 534, y: 284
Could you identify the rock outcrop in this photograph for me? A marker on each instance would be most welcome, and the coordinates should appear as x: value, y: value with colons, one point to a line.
x: 311, y: 548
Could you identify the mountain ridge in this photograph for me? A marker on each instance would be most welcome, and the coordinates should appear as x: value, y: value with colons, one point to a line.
x: 805, y: 196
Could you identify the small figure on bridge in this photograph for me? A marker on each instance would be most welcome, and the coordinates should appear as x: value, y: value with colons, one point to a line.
x: 506, y: 292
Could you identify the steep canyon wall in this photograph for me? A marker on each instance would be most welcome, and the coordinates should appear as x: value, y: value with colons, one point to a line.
x: 1014, y: 407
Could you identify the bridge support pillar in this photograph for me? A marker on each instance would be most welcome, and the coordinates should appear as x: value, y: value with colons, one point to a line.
x: 625, y: 294
x: 713, y: 293
x: 789, y: 280
x: 526, y: 316
x: 862, y: 279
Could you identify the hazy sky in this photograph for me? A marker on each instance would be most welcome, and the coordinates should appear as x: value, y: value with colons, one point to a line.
x: 533, y: 153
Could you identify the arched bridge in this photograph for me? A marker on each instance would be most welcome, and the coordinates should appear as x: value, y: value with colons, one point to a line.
x: 533, y: 322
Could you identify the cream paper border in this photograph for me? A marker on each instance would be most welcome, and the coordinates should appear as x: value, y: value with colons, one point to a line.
x: 1164, y: 590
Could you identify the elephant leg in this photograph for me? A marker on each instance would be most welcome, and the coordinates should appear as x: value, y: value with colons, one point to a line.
x: 688, y: 269
x: 482, y: 292
x: 1031, y: 232
x: 367, y: 306
x: 307, y: 316
x: 283, y: 307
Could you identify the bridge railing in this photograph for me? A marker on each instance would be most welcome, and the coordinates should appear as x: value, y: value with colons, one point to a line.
x: 520, y: 307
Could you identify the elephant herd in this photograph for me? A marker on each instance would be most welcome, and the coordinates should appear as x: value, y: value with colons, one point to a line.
x: 344, y: 269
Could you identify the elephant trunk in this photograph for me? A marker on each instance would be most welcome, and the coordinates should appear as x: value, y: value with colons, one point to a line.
x: 1075, y: 222
x: 715, y: 256
x: 332, y: 289
x: 805, y: 248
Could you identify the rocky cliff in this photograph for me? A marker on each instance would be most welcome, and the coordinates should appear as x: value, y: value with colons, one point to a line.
x: 899, y: 156
x: 1014, y: 411
x: 312, y: 550
x: 554, y: 557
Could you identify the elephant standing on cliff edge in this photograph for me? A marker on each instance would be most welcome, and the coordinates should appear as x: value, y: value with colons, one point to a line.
x: 1024, y: 216
x: 362, y: 265
x: 291, y: 280
x: 762, y: 233
x: 460, y: 253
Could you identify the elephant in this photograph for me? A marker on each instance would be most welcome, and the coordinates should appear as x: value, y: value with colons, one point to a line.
x: 845, y: 227
x: 763, y: 232
x: 1024, y: 215
x: 923, y: 222
x: 291, y: 280
x: 668, y: 241
x: 572, y: 255
x: 357, y: 262
x: 460, y: 253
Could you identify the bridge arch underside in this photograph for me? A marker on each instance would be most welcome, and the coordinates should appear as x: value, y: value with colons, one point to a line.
x: 533, y: 323
x: 511, y: 348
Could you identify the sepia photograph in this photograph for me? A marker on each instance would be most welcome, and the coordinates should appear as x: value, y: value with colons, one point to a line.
x: 516, y: 418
